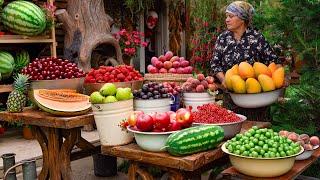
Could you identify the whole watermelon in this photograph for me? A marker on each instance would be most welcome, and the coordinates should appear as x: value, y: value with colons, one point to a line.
x: 6, y: 64
x: 24, y: 18
x: 22, y: 60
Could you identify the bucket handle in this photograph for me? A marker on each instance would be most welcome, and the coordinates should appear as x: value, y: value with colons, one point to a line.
x: 98, y: 107
x: 173, y: 99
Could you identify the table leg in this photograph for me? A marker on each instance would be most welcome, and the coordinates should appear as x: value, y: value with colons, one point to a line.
x: 56, y: 151
x: 134, y: 170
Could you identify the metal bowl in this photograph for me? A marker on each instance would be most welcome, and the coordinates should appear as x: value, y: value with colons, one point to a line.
x: 230, y: 129
x: 261, y: 167
x: 307, y: 153
x: 151, y: 141
x: 256, y: 100
x: 91, y: 87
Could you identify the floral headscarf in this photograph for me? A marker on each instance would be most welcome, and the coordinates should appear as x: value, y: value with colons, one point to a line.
x: 242, y: 9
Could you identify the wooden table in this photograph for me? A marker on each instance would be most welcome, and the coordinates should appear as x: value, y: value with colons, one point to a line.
x: 56, y: 136
x: 297, y: 169
x: 178, y: 167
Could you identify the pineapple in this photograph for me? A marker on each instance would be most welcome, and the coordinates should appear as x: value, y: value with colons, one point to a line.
x: 17, y: 98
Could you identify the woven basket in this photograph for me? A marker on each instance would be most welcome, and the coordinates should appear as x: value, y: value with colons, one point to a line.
x: 167, y: 77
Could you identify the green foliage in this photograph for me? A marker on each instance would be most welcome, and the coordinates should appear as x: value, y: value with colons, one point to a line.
x: 291, y: 22
x: 300, y: 112
x: 138, y: 6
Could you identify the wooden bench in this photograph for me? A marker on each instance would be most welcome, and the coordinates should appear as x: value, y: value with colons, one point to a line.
x: 184, y: 167
x: 297, y: 169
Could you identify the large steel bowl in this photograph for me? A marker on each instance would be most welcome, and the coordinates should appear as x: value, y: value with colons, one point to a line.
x: 230, y: 129
x: 255, y: 100
x: 261, y: 167
x: 91, y: 87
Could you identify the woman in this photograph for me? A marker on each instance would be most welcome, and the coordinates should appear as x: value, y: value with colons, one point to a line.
x: 240, y: 42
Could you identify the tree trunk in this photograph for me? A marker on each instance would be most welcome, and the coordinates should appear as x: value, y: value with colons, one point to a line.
x: 87, y: 26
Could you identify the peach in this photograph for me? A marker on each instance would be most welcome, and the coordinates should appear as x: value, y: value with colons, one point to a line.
x: 212, y: 87
x: 167, y: 64
x: 314, y: 140
x: 210, y: 79
x: 307, y: 147
x: 305, y: 138
x: 162, y: 58
x: 200, y: 88
x: 283, y: 133
x: 293, y: 136
x: 205, y: 84
x: 200, y: 77
x: 300, y: 142
x: 168, y: 55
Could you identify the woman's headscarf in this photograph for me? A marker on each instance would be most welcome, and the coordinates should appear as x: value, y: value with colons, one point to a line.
x: 242, y: 9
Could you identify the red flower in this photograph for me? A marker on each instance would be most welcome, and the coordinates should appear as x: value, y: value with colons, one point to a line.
x: 130, y: 41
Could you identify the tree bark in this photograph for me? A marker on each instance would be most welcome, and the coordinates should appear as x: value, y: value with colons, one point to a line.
x: 87, y: 26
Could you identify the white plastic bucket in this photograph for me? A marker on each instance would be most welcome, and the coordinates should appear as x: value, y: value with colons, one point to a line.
x: 152, y: 105
x: 197, y: 99
x: 108, y: 118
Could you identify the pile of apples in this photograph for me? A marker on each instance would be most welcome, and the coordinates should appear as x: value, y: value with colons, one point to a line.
x: 168, y: 63
x: 199, y: 84
x: 160, y: 121
x: 109, y: 74
x: 308, y: 143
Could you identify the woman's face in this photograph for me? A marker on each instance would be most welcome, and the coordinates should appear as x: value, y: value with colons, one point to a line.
x: 233, y: 22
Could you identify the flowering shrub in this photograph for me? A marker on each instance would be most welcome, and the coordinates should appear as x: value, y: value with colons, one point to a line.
x: 202, y: 46
x: 130, y: 41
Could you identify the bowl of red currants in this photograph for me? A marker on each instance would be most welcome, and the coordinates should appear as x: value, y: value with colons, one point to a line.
x: 54, y: 73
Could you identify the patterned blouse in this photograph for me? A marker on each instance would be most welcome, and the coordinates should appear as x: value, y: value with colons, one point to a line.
x: 251, y: 47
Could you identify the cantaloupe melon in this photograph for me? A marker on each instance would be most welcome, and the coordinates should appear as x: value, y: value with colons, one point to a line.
x: 62, y: 103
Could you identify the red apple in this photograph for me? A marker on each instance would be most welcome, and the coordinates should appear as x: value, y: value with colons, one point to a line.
x: 163, y: 70
x: 185, y: 70
x: 184, y: 116
x: 154, y: 60
x: 144, y: 122
x: 170, y: 112
x: 167, y: 64
x: 175, y: 59
x: 184, y: 63
x: 175, y: 64
x: 181, y: 59
x: 172, y: 70
x: 189, y: 69
x: 161, y: 121
x: 152, y: 69
x: 159, y: 64
x: 174, y: 126
x: 180, y: 70
x: 132, y: 119
x: 168, y: 55
x: 162, y: 58
x: 173, y: 117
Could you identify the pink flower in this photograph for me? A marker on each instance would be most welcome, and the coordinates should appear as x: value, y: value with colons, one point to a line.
x: 127, y: 43
x: 144, y: 44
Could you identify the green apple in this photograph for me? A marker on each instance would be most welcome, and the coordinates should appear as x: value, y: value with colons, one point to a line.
x: 108, y: 89
x: 110, y: 99
x: 96, y: 98
x: 123, y: 94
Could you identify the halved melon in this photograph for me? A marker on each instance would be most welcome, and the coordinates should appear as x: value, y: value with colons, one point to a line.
x: 62, y: 103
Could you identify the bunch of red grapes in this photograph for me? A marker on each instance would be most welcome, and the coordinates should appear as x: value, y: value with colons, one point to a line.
x: 51, y: 68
